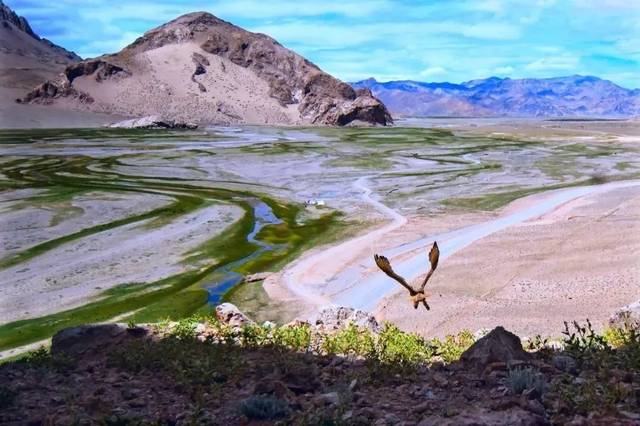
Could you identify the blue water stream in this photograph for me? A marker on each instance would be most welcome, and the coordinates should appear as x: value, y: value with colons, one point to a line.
x: 225, y: 276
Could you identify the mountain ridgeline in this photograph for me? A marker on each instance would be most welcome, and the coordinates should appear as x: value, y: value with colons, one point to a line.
x: 573, y: 96
x: 201, y: 68
x: 25, y: 58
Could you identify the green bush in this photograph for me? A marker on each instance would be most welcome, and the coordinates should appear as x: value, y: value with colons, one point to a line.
x: 350, y: 341
x: 402, y: 349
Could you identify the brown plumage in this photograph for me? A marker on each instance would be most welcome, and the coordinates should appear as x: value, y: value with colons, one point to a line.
x: 417, y: 296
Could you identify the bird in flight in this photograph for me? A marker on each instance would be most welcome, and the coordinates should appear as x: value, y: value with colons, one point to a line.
x: 417, y: 296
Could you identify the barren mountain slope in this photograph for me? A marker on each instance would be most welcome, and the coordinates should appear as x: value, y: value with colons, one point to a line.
x: 25, y: 58
x: 200, y: 68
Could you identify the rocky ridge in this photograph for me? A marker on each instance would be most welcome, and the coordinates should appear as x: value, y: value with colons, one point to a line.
x: 211, y: 61
x: 25, y: 57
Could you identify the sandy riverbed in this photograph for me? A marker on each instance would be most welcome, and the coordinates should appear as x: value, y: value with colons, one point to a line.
x: 578, y: 260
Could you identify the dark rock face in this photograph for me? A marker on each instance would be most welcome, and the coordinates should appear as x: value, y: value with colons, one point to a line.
x: 547, y: 97
x: 63, y: 86
x: 11, y: 21
x: 9, y: 15
x: 499, y: 346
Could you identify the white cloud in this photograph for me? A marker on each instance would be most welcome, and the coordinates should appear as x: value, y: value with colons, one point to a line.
x: 506, y: 70
x: 433, y: 72
x: 554, y: 63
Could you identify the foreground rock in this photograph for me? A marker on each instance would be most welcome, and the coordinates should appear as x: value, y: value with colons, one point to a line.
x: 152, y: 122
x: 498, y: 346
x: 201, y: 68
x: 229, y: 314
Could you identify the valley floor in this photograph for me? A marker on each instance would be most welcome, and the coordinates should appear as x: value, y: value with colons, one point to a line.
x: 108, y: 224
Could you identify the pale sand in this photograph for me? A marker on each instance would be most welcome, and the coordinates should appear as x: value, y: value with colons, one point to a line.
x: 589, y: 247
x: 161, y: 81
x: 20, y: 116
x: 82, y: 269
x: 580, y: 261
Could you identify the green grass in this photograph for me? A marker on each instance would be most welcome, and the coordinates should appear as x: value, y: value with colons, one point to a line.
x: 182, y: 205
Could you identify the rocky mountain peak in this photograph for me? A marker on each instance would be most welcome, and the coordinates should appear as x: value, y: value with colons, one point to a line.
x: 297, y: 91
x: 8, y: 15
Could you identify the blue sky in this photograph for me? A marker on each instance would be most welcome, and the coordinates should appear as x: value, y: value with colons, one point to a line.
x: 389, y: 40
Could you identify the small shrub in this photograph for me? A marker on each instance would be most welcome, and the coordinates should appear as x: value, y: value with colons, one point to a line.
x: 521, y: 379
x: 585, y: 345
x: 264, y: 407
x: 297, y: 337
x: 185, y: 328
x: 453, y: 346
x: 350, y: 341
x: 254, y: 335
x: 402, y: 350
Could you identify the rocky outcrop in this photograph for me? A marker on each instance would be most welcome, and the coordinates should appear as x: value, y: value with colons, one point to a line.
x: 299, y: 92
x: 153, y: 122
x: 26, y: 60
x: 229, y: 314
x: 498, y: 346
x: 9, y: 16
x: 339, y: 317
x: 62, y: 87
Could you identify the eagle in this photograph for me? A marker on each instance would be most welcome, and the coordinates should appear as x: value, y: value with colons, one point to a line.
x: 417, y: 296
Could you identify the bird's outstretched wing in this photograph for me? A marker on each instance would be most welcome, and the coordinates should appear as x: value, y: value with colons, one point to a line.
x: 385, y: 266
x: 434, y: 255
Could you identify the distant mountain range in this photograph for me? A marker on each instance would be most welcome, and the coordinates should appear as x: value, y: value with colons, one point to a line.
x: 573, y: 96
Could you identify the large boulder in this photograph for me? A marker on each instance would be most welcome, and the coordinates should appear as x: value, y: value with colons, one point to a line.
x: 339, y: 317
x: 499, y: 345
x: 76, y: 341
x: 228, y: 313
x: 153, y: 122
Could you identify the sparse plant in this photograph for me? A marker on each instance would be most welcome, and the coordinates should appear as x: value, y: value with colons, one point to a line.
x: 297, y: 337
x: 264, y: 407
x: 401, y: 350
x: 520, y: 379
x: 584, y: 344
x: 452, y: 347
x: 351, y: 341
